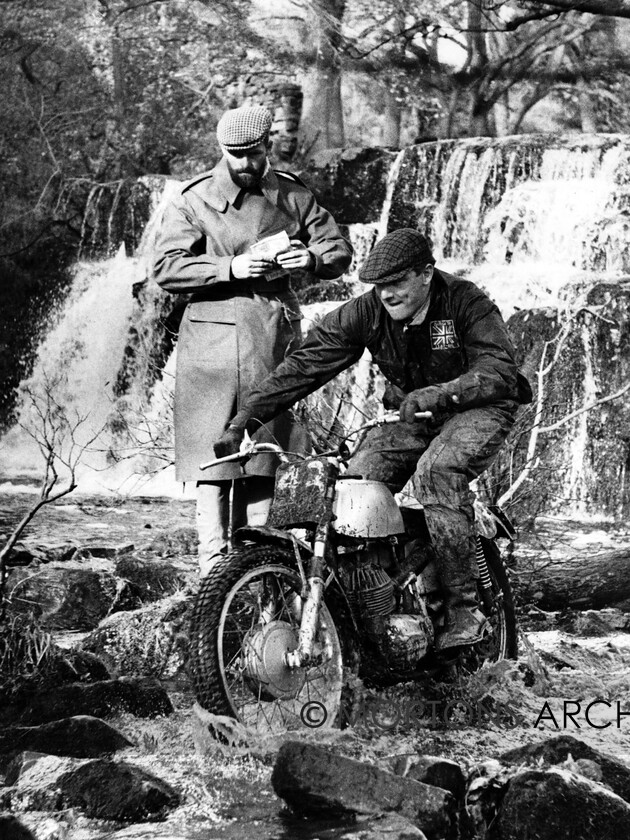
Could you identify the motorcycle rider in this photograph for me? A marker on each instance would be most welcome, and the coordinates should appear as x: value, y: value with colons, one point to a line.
x: 443, y: 347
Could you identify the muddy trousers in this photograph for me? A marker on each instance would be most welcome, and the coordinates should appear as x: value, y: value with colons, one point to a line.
x: 224, y: 506
x: 440, y: 461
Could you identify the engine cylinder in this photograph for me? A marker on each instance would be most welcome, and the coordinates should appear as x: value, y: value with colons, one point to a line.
x: 371, y: 592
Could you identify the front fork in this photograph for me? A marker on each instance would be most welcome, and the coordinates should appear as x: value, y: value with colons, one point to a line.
x: 304, y: 653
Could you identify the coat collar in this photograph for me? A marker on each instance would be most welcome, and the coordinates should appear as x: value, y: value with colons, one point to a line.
x: 219, y: 190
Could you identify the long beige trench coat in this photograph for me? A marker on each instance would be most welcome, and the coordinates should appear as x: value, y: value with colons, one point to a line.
x: 234, y: 332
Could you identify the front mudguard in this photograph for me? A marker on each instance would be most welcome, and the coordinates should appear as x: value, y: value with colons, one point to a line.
x: 271, y: 536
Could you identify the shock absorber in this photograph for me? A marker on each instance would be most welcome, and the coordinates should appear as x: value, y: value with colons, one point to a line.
x: 484, y: 573
x: 482, y: 563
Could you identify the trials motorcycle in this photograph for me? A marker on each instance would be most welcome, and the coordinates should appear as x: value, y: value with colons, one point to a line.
x: 340, y: 577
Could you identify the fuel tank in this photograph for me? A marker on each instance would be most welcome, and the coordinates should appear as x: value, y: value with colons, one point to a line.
x: 365, y: 509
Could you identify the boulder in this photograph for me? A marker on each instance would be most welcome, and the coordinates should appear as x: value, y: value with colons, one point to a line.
x: 174, y: 543
x: 102, y: 788
x: 579, y: 466
x: 560, y: 805
x: 149, y: 641
x: 12, y: 829
x: 555, y: 751
x: 351, y: 183
x: 23, y: 554
x: 385, y: 827
x: 142, y: 696
x: 433, y: 770
x: 81, y: 736
x: 117, y: 791
x: 314, y: 779
x: 32, y: 781
x: 71, y: 595
x: 149, y: 579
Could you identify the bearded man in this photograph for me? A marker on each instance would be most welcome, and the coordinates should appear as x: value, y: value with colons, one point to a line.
x: 216, y: 244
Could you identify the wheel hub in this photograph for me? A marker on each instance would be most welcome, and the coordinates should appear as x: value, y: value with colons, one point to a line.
x: 264, y: 650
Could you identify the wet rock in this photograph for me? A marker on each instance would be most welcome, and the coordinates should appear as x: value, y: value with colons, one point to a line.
x: 142, y: 696
x: 23, y: 554
x: 386, y: 827
x: 560, y: 805
x: 32, y: 781
x: 600, y: 622
x: 12, y: 829
x: 581, y: 462
x: 173, y: 543
x: 149, y: 580
x: 432, y: 770
x: 101, y: 788
x: 150, y: 641
x: 45, y: 827
x: 314, y: 779
x: 65, y: 596
x: 556, y: 751
x: 81, y: 736
x: 117, y: 791
x: 350, y: 183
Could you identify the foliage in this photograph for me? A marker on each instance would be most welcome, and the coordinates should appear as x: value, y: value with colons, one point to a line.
x: 487, y: 65
x: 28, y: 656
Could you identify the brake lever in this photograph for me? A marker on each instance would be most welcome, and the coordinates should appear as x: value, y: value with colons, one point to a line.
x: 244, y: 454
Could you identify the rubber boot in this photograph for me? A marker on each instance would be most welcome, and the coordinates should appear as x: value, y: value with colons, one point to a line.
x: 465, y: 623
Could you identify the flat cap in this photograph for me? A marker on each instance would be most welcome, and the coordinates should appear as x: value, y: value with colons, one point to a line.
x: 393, y: 256
x: 244, y: 128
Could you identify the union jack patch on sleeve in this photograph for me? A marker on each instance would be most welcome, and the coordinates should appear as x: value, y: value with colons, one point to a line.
x: 443, y: 335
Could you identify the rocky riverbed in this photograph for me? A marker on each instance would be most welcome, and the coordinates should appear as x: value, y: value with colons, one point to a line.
x: 215, y: 780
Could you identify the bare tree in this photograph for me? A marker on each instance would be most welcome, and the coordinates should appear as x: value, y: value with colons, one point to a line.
x: 63, y: 438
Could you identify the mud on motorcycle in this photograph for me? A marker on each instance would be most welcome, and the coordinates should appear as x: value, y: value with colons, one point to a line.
x: 340, y: 576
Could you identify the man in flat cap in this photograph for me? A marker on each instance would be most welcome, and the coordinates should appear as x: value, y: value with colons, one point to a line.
x: 443, y: 347
x: 230, y: 240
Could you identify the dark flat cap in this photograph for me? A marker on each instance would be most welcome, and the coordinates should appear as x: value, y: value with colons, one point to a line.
x: 393, y: 256
x: 244, y: 128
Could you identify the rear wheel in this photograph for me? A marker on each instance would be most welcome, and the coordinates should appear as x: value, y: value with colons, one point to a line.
x: 245, y: 619
x: 498, y: 605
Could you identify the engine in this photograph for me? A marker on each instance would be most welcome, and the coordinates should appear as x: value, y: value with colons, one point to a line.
x: 403, y: 639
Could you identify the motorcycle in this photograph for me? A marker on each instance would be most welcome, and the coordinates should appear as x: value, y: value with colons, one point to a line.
x: 341, y: 576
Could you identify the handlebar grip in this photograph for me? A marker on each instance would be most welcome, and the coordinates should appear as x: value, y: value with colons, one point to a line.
x: 419, y: 415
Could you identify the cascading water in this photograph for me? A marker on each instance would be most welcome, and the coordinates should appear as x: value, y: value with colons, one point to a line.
x: 529, y: 219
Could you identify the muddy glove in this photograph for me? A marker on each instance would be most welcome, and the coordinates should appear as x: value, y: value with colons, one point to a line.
x: 434, y: 398
x: 393, y: 397
x: 230, y: 442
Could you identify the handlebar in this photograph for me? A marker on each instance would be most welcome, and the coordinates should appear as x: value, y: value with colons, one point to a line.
x: 249, y: 447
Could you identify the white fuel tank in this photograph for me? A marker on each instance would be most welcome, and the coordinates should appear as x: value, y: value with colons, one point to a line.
x: 365, y: 509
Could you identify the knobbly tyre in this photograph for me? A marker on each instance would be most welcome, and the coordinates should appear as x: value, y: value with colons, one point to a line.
x: 340, y: 576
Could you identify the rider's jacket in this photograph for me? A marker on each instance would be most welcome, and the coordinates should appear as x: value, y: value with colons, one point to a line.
x: 462, y: 343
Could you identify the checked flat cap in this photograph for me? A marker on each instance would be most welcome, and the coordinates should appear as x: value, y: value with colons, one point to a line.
x: 392, y: 257
x: 244, y: 128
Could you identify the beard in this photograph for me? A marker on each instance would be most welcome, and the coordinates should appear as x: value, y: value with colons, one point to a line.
x: 247, y: 180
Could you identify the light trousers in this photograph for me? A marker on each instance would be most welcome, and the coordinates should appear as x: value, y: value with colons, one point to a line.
x: 224, y: 506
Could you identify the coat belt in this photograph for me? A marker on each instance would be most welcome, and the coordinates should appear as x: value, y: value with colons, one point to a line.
x: 244, y: 288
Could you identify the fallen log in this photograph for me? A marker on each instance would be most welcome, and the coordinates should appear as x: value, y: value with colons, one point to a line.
x: 561, y: 563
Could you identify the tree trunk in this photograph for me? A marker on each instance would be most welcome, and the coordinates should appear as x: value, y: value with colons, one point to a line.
x: 323, y: 110
x: 393, y: 119
x: 588, y: 117
x: 563, y: 564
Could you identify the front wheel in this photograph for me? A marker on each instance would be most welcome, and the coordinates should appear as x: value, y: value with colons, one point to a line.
x: 245, y: 619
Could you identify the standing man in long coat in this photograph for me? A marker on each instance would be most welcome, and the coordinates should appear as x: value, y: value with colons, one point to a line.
x: 242, y: 317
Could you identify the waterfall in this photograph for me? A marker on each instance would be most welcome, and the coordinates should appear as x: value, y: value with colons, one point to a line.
x: 78, y: 365
x: 529, y: 218
x: 532, y: 220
